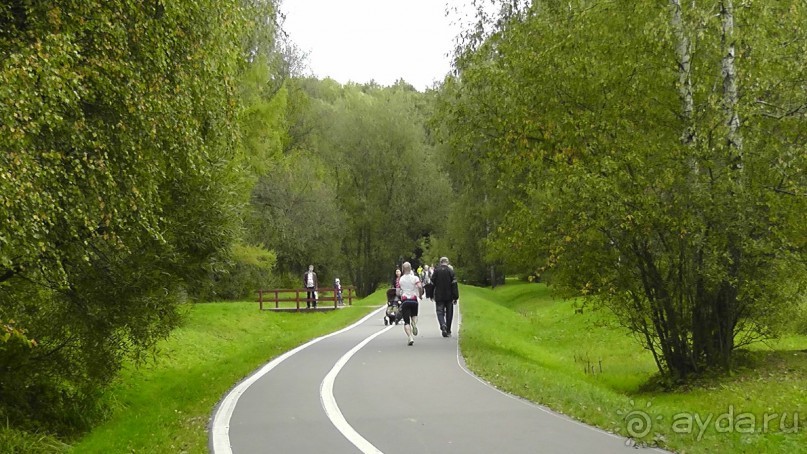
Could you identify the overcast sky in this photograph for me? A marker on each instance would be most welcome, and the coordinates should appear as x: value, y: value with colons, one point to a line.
x: 381, y: 40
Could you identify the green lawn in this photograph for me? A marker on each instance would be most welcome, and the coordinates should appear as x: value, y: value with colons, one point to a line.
x: 526, y: 342
x: 165, y: 406
x: 518, y: 337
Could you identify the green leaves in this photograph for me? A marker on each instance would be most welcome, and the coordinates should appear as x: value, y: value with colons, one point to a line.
x: 120, y: 179
x: 9, y: 333
x: 357, y: 184
x: 576, y: 116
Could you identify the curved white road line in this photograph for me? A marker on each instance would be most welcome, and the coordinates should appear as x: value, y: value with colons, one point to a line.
x: 220, y: 427
x: 329, y: 401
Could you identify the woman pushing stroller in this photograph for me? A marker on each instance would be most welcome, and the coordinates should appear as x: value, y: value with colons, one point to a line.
x: 393, y: 313
x: 410, y: 289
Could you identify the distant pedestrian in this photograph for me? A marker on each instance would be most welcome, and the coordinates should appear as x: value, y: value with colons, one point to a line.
x: 426, y: 279
x: 446, y: 294
x: 337, y: 288
x: 310, y: 283
x: 396, y: 280
x: 410, y: 290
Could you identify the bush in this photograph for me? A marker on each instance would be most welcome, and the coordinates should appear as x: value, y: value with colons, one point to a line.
x: 291, y: 280
x: 250, y: 271
x: 800, y: 320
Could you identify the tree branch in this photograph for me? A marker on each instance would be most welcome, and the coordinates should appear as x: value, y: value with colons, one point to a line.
x: 8, y: 273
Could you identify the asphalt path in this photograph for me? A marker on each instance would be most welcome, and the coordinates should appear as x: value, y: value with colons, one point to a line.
x: 362, y: 389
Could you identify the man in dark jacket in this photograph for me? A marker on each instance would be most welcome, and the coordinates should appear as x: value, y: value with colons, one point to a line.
x: 446, y: 294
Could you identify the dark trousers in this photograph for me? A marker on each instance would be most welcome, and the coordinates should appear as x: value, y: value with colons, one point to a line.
x: 409, y: 309
x: 445, y: 313
x: 310, y: 299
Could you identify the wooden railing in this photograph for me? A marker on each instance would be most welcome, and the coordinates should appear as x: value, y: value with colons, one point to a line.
x: 278, y: 296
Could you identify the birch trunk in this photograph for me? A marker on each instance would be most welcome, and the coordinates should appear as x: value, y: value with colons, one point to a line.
x: 491, y: 267
x: 684, y: 76
x: 730, y: 96
x: 724, y: 304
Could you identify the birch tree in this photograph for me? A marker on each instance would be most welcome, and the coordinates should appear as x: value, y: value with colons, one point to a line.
x: 625, y: 145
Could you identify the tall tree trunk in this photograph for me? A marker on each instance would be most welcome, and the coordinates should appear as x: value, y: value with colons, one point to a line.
x: 724, y: 313
x: 727, y: 312
x: 491, y: 267
x: 730, y: 94
x: 366, y: 287
x: 683, y: 51
x: 699, y: 319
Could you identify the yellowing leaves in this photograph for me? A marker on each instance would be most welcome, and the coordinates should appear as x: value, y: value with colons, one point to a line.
x: 9, y: 332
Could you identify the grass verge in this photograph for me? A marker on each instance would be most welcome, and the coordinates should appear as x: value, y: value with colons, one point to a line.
x: 13, y: 441
x: 523, y: 341
x: 165, y: 407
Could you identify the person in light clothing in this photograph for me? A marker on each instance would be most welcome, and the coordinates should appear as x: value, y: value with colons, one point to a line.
x: 310, y: 283
x: 410, y: 290
x: 337, y: 288
x: 426, y: 279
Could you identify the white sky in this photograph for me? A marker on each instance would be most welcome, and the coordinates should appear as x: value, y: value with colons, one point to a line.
x: 381, y: 40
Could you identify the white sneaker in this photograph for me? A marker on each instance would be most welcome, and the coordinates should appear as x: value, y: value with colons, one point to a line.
x: 411, y: 341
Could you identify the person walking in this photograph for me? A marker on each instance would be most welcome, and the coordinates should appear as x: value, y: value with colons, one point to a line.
x: 396, y: 279
x: 310, y: 283
x: 410, y: 290
x: 427, y: 282
x: 446, y: 294
x: 337, y: 289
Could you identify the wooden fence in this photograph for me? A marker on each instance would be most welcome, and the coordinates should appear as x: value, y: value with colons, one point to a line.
x: 282, y: 298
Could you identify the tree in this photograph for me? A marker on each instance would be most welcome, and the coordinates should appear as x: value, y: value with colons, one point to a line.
x: 386, y: 178
x: 119, y: 183
x: 628, y: 158
x: 296, y: 214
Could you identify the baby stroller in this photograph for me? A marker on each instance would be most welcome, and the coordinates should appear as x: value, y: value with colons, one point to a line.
x: 393, y: 313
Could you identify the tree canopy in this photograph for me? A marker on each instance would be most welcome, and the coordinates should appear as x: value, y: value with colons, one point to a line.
x: 358, y: 187
x: 119, y: 181
x: 652, y: 157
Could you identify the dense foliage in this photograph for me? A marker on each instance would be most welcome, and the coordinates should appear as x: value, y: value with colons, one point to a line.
x: 134, y: 139
x: 357, y: 189
x: 653, y: 157
x: 648, y: 154
x: 118, y: 183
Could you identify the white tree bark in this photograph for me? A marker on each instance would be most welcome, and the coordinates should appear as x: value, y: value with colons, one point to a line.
x: 684, y: 76
x: 730, y: 95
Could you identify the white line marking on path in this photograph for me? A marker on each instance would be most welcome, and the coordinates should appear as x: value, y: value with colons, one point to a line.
x: 329, y: 401
x: 220, y: 428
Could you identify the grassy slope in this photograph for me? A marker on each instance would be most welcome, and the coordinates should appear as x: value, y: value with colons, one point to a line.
x: 522, y: 340
x: 165, y: 406
x: 517, y: 337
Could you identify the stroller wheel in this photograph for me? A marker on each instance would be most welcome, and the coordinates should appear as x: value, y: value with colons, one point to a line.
x: 385, y: 322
